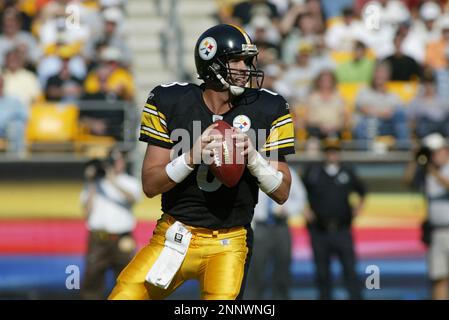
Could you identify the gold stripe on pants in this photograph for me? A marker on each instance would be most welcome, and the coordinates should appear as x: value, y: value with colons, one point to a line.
x: 216, y: 258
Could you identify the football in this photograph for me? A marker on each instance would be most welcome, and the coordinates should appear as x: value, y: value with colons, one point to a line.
x: 227, y: 166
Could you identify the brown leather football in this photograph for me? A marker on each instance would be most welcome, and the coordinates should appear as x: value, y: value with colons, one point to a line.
x: 227, y: 166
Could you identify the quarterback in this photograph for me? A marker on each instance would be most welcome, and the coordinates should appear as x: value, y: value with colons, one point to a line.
x: 204, y: 232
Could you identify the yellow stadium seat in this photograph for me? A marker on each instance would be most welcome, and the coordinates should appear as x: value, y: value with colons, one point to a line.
x: 349, y: 92
x: 406, y: 90
x: 52, y: 123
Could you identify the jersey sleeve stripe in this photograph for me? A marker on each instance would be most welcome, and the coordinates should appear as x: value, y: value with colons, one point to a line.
x: 286, y: 131
x: 281, y: 146
x: 154, y: 122
x: 279, y: 142
x: 281, y: 123
x: 154, y: 136
x: 155, y: 132
x: 280, y: 119
x: 150, y: 106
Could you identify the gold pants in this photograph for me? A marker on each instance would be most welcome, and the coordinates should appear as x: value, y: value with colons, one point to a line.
x: 218, y: 259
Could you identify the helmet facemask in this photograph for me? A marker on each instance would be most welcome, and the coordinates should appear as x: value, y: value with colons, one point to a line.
x: 227, y: 75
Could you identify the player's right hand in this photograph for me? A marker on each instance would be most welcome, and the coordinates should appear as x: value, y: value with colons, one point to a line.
x: 204, y: 146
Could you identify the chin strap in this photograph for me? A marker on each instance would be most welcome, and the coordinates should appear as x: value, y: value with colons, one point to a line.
x: 235, y: 90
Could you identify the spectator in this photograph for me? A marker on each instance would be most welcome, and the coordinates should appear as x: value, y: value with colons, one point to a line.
x: 64, y: 86
x: 13, y: 120
x: 268, y: 53
x: 321, y: 57
x: 329, y: 219
x: 52, y: 61
x: 414, y: 42
x: 428, y: 112
x: 313, y: 7
x: 359, y: 69
x: 18, y: 81
x: 261, y: 29
x: 436, y: 51
x: 304, y: 30
x: 272, y: 80
x: 341, y: 36
x: 271, y: 222
x: 12, y: 37
x: 380, y: 112
x: 109, y: 37
x: 442, y: 78
x: 245, y: 10
x: 433, y: 179
x: 55, y: 28
x: 110, y: 80
x: 403, y: 67
x: 418, y: 33
x: 300, y: 75
x: 391, y: 12
x: 325, y: 114
x: 107, y: 200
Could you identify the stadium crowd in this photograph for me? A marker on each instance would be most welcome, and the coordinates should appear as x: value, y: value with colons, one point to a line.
x: 60, y: 51
x: 365, y: 71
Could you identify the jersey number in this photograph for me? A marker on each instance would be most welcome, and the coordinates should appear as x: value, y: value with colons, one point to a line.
x: 201, y: 179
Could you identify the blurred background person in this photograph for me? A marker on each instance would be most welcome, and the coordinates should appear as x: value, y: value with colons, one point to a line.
x: 380, y: 112
x: 429, y: 112
x: 325, y: 114
x: 342, y: 35
x: 13, y: 119
x: 271, y: 257
x: 402, y: 66
x: 107, y: 199
x: 64, y: 86
x: 329, y: 217
x: 432, y: 174
x: 436, y: 50
x: 110, y: 37
x: 18, y: 81
x: 359, y: 69
x: 13, y: 37
x: 110, y: 80
x: 299, y: 77
x: 297, y: 26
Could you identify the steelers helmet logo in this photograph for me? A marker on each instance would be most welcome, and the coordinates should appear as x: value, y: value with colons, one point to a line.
x: 241, y: 122
x: 207, y: 48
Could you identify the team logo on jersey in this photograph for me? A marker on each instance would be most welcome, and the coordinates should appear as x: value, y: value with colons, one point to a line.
x: 242, y: 122
x: 207, y: 48
x: 343, y: 178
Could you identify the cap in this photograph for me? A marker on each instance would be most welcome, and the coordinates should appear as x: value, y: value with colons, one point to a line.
x: 260, y: 21
x: 113, y: 15
x: 430, y: 11
x: 330, y: 144
x: 434, y: 141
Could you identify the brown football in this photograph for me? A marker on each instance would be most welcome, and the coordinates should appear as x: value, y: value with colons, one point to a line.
x: 227, y: 166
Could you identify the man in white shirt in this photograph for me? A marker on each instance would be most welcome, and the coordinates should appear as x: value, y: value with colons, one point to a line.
x: 437, y: 192
x: 107, y: 200
x: 272, y: 242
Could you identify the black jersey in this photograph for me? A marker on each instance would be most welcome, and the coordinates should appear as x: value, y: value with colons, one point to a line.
x: 177, y: 112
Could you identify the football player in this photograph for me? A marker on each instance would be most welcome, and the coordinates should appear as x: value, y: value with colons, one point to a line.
x: 204, y: 232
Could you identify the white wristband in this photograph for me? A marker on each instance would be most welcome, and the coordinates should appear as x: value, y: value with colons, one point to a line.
x: 178, y: 170
x: 269, y: 178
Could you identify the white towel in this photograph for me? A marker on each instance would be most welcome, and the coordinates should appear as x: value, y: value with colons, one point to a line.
x: 177, y: 240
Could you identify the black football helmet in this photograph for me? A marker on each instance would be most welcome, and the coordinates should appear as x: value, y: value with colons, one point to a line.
x: 216, y: 47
